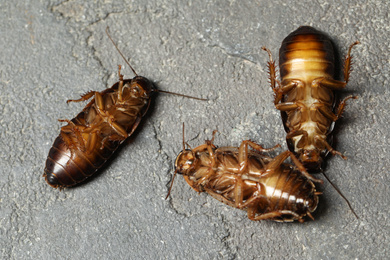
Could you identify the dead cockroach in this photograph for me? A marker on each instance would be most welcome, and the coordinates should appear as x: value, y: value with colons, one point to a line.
x: 247, y: 179
x: 90, y: 139
x: 305, y: 95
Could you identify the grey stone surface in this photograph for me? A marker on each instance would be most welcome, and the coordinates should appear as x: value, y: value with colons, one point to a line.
x: 55, y: 50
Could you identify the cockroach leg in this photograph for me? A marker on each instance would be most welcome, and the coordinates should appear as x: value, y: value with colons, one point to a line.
x: 243, y: 152
x: 295, y: 133
x: 290, y: 84
x: 211, y: 151
x: 306, y: 96
x: 219, y: 197
x: 119, y: 129
x: 238, y: 178
x: 324, y: 143
x: 287, y: 106
x: 271, y: 215
x: 258, y: 147
x: 342, y: 105
x: 271, y: 68
x: 74, y: 130
x: 256, y: 196
x: 210, y: 170
x: 278, y: 90
x: 100, y: 107
x: 328, y: 83
x: 204, y: 180
x: 99, y: 103
x: 310, y: 215
x: 91, y: 143
x: 239, y: 192
x: 325, y: 111
x: 302, y: 141
x: 302, y: 168
x: 84, y: 97
x: 275, y: 163
x: 348, y: 62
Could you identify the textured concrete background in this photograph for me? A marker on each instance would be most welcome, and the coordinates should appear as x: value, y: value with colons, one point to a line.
x: 55, y: 50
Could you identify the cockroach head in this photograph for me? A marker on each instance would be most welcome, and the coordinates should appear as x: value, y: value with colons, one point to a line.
x: 141, y: 87
x: 185, y: 161
x: 311, y: 159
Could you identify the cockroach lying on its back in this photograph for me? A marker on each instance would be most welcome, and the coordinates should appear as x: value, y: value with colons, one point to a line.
x: 265, y: 187
x: 90, y: 139
x: 305, y: 95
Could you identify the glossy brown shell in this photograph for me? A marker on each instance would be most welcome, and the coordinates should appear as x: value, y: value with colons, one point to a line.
x: 88, y: 141
x: 265, y: 190
x: 305, y: 95
x: 307, y: 54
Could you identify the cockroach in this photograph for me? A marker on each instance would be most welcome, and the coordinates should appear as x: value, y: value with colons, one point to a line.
x: 247, y: 179
x: 91, y: 138
x: 305, y: 95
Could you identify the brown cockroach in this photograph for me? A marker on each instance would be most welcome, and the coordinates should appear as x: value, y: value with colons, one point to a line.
x: 90, y: 139
x: 267, y: 188
x: 305, y: 95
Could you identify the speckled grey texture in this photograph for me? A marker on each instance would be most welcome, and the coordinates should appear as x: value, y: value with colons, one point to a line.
x: 55, y: 50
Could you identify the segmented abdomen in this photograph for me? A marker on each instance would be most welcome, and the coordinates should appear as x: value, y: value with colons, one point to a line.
x: 289, y: 190
x: 90, y: 139
x: 306, y: 54
x: 68, y: 166
x: 284, y: 190
x: 306, y: 57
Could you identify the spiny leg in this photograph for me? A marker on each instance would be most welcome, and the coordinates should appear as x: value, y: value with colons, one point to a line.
x: 302, y: 141
x: 100, y: 108
x: 91, y: 143
x: 324, y: 143
x: 271, y: 215
x: 211, y: 151
x: 348, y: 62
x: 272, y: 77
x: 295, y: 133
x: 213, y: 136
x: 302, y: 168
x: 287, y: 106
x: 328, y: 83
x: 278, y: 160
x: 284, y: 87
x: 219, y: 197
x: 76, y: 131
x: 309, y: 215
x: 237, y: 188
x: 342, y: 105
x: 326, y: 111
x: 253, y: 200
x: 243, y: 152
x: 271, y: 68
x: 84, y: 97
x: 208, y: 145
